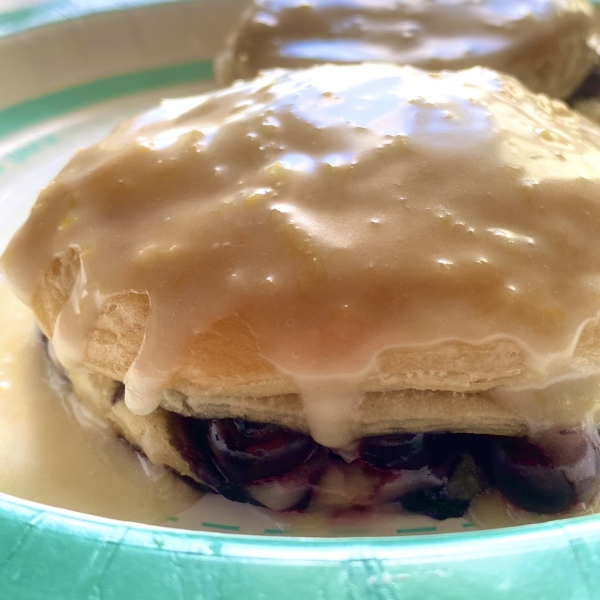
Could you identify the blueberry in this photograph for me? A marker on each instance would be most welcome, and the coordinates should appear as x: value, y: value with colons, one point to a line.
x: 590, y: 87
x: 435, y: 503
x: 188, y: 437
x: 459, y: 482
x: 293, y: 490
x: 549, y: 473
x: 410, y: 450
x: 246, y: 452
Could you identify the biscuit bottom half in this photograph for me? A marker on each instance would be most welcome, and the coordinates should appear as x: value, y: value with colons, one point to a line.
x: 432, y: 473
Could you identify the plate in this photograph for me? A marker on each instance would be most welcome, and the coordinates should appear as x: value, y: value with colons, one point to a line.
x: 70, y: 70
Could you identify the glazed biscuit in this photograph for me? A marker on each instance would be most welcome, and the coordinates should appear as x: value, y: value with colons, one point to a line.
x: 304, y: 264
x: 544, y: 44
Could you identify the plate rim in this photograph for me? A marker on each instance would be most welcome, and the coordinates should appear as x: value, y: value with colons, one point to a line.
x: 53, y: 12
x: 56, y: 530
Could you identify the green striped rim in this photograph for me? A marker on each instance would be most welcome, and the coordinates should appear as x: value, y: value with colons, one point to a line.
x: 274, y: 531
x: 417, y: 530
x: 221, y: 526
x: 60, y: 554
x: 25, y: 114
x: 57, y: 11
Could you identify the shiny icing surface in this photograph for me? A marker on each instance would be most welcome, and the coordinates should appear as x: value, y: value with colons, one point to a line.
x: 440, y: 34
x: 339, y: 211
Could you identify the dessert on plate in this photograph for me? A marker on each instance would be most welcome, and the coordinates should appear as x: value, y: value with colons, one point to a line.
x: 544, y: 43
x: 351, y: 285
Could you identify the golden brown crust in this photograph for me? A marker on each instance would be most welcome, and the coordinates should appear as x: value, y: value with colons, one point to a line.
x: 380, y: 413
x: 225, y: 360
x: 557, y: 64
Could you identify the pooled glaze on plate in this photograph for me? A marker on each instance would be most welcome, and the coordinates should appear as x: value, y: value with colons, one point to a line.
x: 55, y: 452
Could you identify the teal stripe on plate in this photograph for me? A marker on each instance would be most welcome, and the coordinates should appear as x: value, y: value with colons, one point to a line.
x: 274, y: 531
x: 417, y: 530
x: 39, y: 109
x: 221, y: 526
x: 56, y: 11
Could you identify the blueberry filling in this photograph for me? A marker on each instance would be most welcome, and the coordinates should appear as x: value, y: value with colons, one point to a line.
x: 436, y: 474
x: 590, y: 88
x: 257, y: 463
x: 411, y: 450
x: 246, y: 452
x: 435, y: 503
x: 546, y: 474
x: 433, y: 474
x: 439, y: 456
x: 398, y: 451
x: 189, y: 437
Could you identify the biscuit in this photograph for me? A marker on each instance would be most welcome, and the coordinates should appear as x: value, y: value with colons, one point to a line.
x: 545, y: 45
x: 340, y: 253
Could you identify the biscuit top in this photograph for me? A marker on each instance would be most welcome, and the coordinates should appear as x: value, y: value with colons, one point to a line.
x: 512, y: 36
x: 339, y: 211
